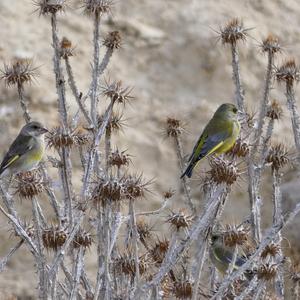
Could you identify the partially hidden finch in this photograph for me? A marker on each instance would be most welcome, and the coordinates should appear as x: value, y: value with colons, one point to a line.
x: 218, y: 136
x: 26, y: 151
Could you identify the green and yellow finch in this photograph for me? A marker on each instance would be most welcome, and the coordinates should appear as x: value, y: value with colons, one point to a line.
x: 26, y: 151
x: 218, y: 136
x: 221, y: 256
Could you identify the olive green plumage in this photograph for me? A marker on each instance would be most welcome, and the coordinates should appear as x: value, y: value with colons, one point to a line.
x: 218, y: 136
x: 26, y: 151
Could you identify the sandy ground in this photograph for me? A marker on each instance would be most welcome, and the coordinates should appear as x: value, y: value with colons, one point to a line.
x: 172, y: 58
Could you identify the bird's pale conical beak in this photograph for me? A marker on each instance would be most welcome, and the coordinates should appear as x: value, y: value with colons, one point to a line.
x: 44, y: 130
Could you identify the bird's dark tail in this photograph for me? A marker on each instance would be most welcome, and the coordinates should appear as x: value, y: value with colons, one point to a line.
x: 188, y: 171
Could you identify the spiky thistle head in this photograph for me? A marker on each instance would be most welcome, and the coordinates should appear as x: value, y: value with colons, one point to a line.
x: 53, y: 237
x: 82, y: 239
x: 223, y: 171
x: 46, y: 7
x: 275, y: 110
x: 270, y: 250
x: 113, y: 40
x: 115, y: 123
x: 295, y: 273
x: 118, y: 159
x: 181, y: 289
x: 66, y: 50
x: 159, y: 250
x: 235, y: 236
x: 267, y: 272
x: 30, y: 184
x: 277, y: 156
x: 144, y: 230
x: 58, y: 139
x: 135, y: 186
x: 288, y: 72
x: 239, y: 149
x: 174, y: 127
x: 169, y: 193
x: 179, y: 220
x: 233, y: 32
x: 117, y: 92
x: 99, y: 7
x: 271, y: 44
x: 18, y: 72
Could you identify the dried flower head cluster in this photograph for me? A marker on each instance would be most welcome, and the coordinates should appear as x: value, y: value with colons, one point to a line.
x: 99, y: 7
x: 115, y: 123
x: 18, y: 72
x: 239, y: 149
x: 29, y: 184
x: 271, y: 44
x: 233, y: 32
x: 181, y: 289
x: 118, y: 159
x: 46, y: 7
x: 159, y: 250
x: 179, y: 220
x: 135, y: 186
x: 275, y: 110
x: 116, y: 92
x: 169, y: 194
x: 288, y: 72
x: 235, y: 236
x: 270, y: 250
x: 66, y: 48
x: 82, y: 239
x: 53, y: 238
x: 174, y: 127
x: 113, y: 40
x: 267, y: 272
x: 277, y: 156
x: 144, y: 230
x: 223, y: 171
x: 58, y: 139
x: 125, y: 264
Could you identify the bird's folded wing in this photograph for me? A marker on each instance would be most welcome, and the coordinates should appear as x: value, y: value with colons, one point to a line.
x: 19, y: 147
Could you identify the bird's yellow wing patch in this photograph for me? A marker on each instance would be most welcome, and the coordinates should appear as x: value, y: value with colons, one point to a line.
x: 215, y: 148
x: 13, y: 159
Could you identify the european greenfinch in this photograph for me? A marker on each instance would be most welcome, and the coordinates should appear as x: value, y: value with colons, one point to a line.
x: 26, y: 151
x: 218, y: 136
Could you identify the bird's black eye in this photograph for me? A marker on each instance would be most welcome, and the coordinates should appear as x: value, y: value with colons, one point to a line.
x: 234, y: 110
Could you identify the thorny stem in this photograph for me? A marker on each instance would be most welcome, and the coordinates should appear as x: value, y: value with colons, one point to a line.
x: 78, y: 271
x: 291, y: 104
x: 251, y: 286
x: 186, y: 188
x: 107, y: 147
x: 105, y: 60
x: 95, y: 76
x: 7, y: 257
x: 239, y: 92
x: 23, y: 102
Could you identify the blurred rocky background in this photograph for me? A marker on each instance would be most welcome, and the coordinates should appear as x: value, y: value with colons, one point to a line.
x: 172, y: 57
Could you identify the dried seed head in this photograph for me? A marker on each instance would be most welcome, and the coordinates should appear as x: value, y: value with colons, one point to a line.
x: 115, y: 123
x: 271, y: 44
x: 53, y: 238
x: 144, y: 230
x: 239, y: 149
x: 288, y: 72
x: 125, y: 264
x: 179, y: 220
x: 270, y: 250
x: 113, y: 40
x: 29, y: 184
x: 18, y: 72
x: 50, y: 6
x: 116, y: 92
x: 66, y: 48
x: 267, y: 272
x: 119, y: 159
x: 108, y: 189
x: 174, y: 127
x: 277, y: 156
x: 183, y: 289
x: 99, y: 7
x: 295, y: 273
x: 275, y: 110
x: 82, y: 239
x: 135, y: 186
x: 159, y: 250
x: 58, y: 139
x: 169, y: 194
x: 235, y: 236
x: 223, y: 171
x: 233, y: 32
